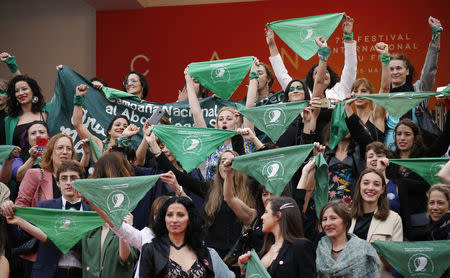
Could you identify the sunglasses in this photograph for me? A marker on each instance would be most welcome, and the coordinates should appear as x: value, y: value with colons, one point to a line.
x: 131, y: 81
x: 298, y: 88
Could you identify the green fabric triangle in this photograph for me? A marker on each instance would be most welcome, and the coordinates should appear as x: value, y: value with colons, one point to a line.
x: 94, y: 148
x: 5, y: 152
x: 222, y: 77
x: 321, y: 183
x: 273, y: 119
x: 338, y: 127
x: 190, y: 145
x: 111, y: 93
x: 299, y: 33
x: 273, y: 168
x: 115, y: 196
x: 397, y: 104
x: 255, y: 268
x: 63, y: 227
x: 416, y: 259
x: 427, y: 167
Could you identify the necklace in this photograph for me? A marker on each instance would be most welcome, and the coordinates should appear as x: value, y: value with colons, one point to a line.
x: 336, y: 251
x: 177, y: 247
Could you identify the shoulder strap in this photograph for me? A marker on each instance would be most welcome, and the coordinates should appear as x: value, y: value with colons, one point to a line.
x: 40, y: 188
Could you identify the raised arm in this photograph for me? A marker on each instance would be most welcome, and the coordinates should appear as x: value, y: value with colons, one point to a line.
x: 141, y: 151
x: 306, y: 182
x: 77, y: 116
x: 8, y: 208
x: 428, y: 74
x: 321, y: 70
x: 252, y: 92
x: 385, y: 86
x: 33, y: 152
x: 278, y: 66
x: 444, y: 173
x: 6, y: 171
x: 10, y: 61
x: 124, y: 248
x: 242, y: 211
x: 199, y: 120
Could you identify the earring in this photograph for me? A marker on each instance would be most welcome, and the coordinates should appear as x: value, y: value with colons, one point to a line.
x: 35, y: 99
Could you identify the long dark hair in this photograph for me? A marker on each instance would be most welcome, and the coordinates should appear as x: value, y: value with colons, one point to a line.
x: 194, y: 234
x: 142, y: 79
x: 334, y: 77
x: 357, y: 210
x: 418, y: 146
x: 290, y: 221
x: 286, y: 91
x: 13, y: 108
x: 111, y: 125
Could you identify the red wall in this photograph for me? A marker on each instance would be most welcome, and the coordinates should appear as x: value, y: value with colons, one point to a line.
x: 172, y: 37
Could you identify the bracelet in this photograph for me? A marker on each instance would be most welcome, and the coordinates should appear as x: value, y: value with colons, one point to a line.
x: 324, y: 53
x: 180, y: 191
x: 11, y: 63
x: 253, y: 75
x: 348, y: 36
x: 436, y: 32
x: 122, y: 140
x: 78, y: 100
x: 385, y: 59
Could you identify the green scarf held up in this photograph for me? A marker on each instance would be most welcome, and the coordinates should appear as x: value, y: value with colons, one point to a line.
x: 338, y: 127
x: 427, y: 259
x: 299, y: 33
x: 397, y: 104
x: 427, y: 167
x: 255, y: 268
x: 111, y: 93
x: 222, y: 77
x: 273, y: 168
x: 321, y: 183
x: 273, y: 119
x: 115, y: 196
x: 63, y: 227
x: 190, y: 145
x: 5, y: 152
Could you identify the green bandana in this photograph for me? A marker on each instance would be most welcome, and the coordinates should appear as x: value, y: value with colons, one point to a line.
x: 96, y: 152
x: 299, y: 33
x: 190, y: 145
x: 11, y: 63
x: 255, y: 268
x: 416, y: 259
x: 338, y: 127
x: 321, y: 183
x: 273, y: 119
x: 222, y: 77
x: 115, y: 196
x: 397, y: 104
x: 427, y: 168
x: 273, y: 168
x: 111, y: 93
x: 5, y: 152
x: 63, y: 227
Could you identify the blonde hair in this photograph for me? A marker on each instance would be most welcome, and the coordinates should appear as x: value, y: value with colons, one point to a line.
x: 47, y: 161
x: 215, y: 194
x: 237, y: 120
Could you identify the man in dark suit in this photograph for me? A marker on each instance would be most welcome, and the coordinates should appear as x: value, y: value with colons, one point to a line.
x: 50, y: 262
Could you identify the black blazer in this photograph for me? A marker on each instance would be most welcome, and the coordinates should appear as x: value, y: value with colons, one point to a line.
x: 294, y: 260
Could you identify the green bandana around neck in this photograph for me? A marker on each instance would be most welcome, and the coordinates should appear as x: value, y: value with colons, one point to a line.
x: 222, y: 77
x: 338, y: 127
x: 63, y: 227
x: 427, y: 167
x: 273, y: 168
x: 190, y: 145
x: 299, y: 33
x: 416, y: 259
x: 115, y: 196
x: 273, y: 119
x: 321, y: 183
x: 5, y: 152
x: 255, y: 268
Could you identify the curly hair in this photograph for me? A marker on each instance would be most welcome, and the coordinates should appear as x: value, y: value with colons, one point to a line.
x: 13, y: 108
x: 334, y: 77
x: 111, y: 125
x: 194, y: 234
x: 142, y: 79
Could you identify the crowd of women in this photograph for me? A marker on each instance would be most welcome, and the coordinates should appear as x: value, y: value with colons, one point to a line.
x: 202, y: 223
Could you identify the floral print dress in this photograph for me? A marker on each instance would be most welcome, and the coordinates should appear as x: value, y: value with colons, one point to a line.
x: 341, y: 179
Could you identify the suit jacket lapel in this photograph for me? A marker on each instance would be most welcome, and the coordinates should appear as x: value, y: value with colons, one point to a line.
x: 281, y: 253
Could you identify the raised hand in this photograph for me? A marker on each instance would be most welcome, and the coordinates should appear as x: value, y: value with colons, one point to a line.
x: 434, y: 22
x: 382, y: 48
x: 347, y: 25
x: 270, y: 37
x: 320, y: 41
x: 4, y: 56
x: 130, y: 131
x: 82, y: 90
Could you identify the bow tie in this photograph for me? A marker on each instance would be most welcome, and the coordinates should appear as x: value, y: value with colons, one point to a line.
x: 76, y: 206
